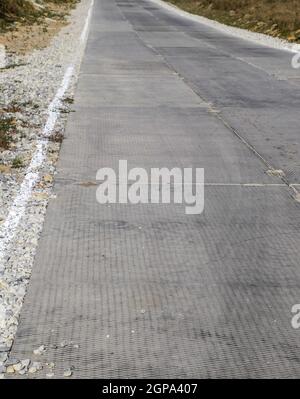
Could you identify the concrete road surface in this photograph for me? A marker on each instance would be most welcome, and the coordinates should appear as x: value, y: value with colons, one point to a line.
x: 146, y: 290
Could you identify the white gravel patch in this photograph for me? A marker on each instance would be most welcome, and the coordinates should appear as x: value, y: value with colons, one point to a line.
x: 2, y: 56
x: 259, y: 38
x: 37, y: 85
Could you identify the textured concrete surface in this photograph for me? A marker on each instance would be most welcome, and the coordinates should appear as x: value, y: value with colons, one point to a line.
x: 145, y: 290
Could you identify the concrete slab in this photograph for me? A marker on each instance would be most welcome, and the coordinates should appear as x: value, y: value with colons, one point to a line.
x: 133, y: 91
x: 146, y: 290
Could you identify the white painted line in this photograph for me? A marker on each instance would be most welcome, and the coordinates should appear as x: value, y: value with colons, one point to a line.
x: 85, y: 30
x: 17, y: 209
x: 56, y: 102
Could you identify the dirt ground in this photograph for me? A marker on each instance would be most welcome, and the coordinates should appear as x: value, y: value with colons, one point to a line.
x: 24, y: 36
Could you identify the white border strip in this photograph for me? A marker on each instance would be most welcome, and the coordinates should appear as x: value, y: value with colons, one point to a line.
x: 85, y: 30
x: 18, y: 208
x: 245, y: 34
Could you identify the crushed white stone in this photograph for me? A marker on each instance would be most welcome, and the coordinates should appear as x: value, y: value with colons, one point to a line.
x: 2, y: 56
x: 40, y: 350
x: 68, y: 373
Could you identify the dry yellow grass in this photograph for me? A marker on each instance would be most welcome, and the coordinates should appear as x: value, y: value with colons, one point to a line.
x: 279, y: 18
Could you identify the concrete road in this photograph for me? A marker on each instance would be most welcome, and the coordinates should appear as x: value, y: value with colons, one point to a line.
x: 146, y: 290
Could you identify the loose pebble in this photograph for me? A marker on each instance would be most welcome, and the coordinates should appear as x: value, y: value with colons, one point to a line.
x: 68, y: 373
x: 37, y: 365
x: 40, y: 350
x: 17, y: 367
x: 11, y: 362
x: 23, y: 371
x: 25, y: 362
x: 10, y: 370
x: 32, y: 369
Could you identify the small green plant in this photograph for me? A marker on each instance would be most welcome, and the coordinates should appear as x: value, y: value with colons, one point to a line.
x: 17, y: 162
x: 68, y: 100
x: 7, y: 125
x: 57, y: 137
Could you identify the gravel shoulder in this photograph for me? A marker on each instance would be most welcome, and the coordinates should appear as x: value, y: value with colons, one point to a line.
x: 28, y: 84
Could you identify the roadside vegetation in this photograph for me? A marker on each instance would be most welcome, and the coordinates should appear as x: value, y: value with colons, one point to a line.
x: 13, y: 10
x: 28, y: 11
x: 30, y: 24
x: 7, y: 127
x: 278, y: 18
